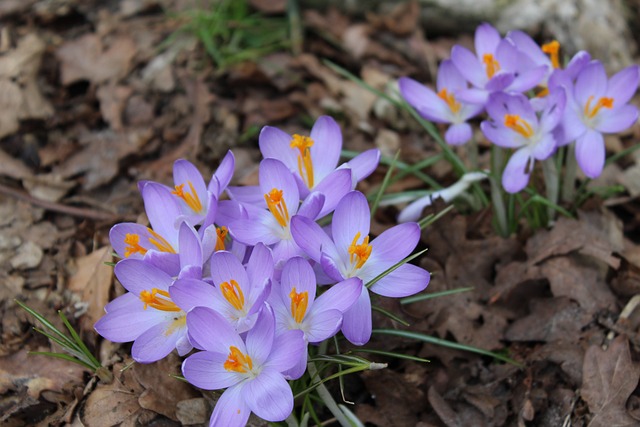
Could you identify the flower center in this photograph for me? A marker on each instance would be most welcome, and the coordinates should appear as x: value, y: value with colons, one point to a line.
x: 277, y: 206
x: 492, y: 66
x: 359, y: 253
x: 514, y: 122
x: 450, y: 100
x: 132, y: 241
x: 603, y: 102
x: 231, y: 292
x: 299, y: 303
x: 238, y: 361
x: 222, y: 234
x: 158, y: 299
x: 190, y: 198
x: 553, y: 50
x: 305, y: 166
x: 160, y: 242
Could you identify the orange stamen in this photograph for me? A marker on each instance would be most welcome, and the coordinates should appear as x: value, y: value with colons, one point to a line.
x: 299, y: 303
x: 158, y: 299
x: 553, y: 50
x: 237, y: 361
x: 513, y: 121
x: 133, y: 242
x: 191, y: 199
x: 603, y: 102
x: 305, y: 166
x: 222, y: 234
x: 492, y: 65
x: 277, y: 206
x: 233, y: 294
x: 450, y: 100
x: 160, y: 242
x: 359, y: 253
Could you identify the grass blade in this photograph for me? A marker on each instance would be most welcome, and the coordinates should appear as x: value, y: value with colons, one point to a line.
x: 391, y: 354
x: 79, y: 341
x: 423, y: 297
x: 395, y: 267
x: 64, y: 357
x: 390, y: 315
x: 384, y: 185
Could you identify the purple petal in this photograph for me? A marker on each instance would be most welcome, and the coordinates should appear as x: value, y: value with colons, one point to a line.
x: 269, y: 396
x: 622, y: 85
x: 340, y: 296
x: 356, y: 324
x: 544, y: 148
x: 469, y: 66
x: 276, y: 144
x: 449, y: 77
x: 189, y: 293
x: 255, y: 230
x: 299, y: 367
x: 500, y: 135
x: 394, y: 244
x: 128, y: 301
x: 327, y: 144
x: 286, y: 351
x: 162, y: 209
x: 577, y: 63
x: 407, y: 280
x: 473, y: 96
x: 137, y: 276
x: 274, y: 174
x: 331, y: 268
x: 425, y: 101
x: 323, y: 325
x: 458, y: 134
x: 617, y: 120
x: 312, y: 205
x: 206, y: 370
x: 212, y: 332
x: 500, y: 81
x: 334, y: 187
x: 190, y: 246
x: 231, y: 410
x: 260, y: 264
x: 590, y: 153
x: 124, y: 325
x: 158, y: 341
x: 226, y: 267
x: 528, y: 79
x: 553, y: 112
x: 592, y: 81
x: 260, y: 337
x: 364, y: 164
x: 185, y: 173
x: 119, y: 232
x: 311, y: 238
x: 223, y: 174
x: 250, y: 194
x: 486, y: 39
x: 351, y: 216
x: 572, y: 125
x: 284, y: 250
x: 166, y: 262
x: 516, y: 173
x: 529, y: 47
x: 298, y: 274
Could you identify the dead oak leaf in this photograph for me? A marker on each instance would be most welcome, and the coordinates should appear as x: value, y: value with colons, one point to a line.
x: 609, y: 378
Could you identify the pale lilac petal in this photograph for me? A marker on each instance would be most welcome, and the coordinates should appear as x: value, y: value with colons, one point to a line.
x: 311, y: 238
x: 407, y: 280
x: 126, y: 325
x: 528, y: 79
x: 394, y: 244
x: 298, y: 274
x: 137, y: 276
x: 158, y: 341
x: 323, y: 325
x: 190, y: 246
x: 529, y: 47
x: 212, y: 332
x: 299, y: 368
x: 260, y: 338
x: 312, y: 205
x: 590, y: 153
x: 231, y: 410
x: 617, y: 120
x: 622, y: 85
x: 162, y: 209
x: 501, y: 136
x: 572, y: 125
x: 230, y: 210
x: 189, y: 293
x: 507, y: 55
x: 250, y: 194
x: 340, y: 296
x: 269, y: 396
x: 449, y: 77
x: 331, y: 269
x: 458, y: 134
x: 500, y: 81
x: 356, y: 323
x: 274, y: 174
x: 286, y: 350
x: 544, y: 148
x: 592, y: 81
x: 206, y: 370
x: 183, y: 345
x: 351, y: 216
x: 486, y: 39
x: 284, y: 250
x: 128, y: 301
x: 260, y: 264
x: 425, y: 101
x: 276, y: 144
x: 185, y: 173
x: 260, y: 229
x: 553, y: 112
x: 334, y: 187
x: 516, y: 174
x: 327, y: 144
x: 226, y: 267
x: 469, y: 66
x: 164, y: 261
x: 223, y: 174
x: 577, y: 63
x: 473, y: 96
x: 364, y: 164
x: 210, y: 216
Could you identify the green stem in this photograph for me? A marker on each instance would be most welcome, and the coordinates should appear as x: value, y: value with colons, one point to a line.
x: 326, y: 397
x: 552, y: 184
x: 472, y: 154
x: 571, y: 169
x: 497, y: 200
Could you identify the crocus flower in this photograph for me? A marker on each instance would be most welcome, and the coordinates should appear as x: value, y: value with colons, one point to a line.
x: 237, y: 293
x: 443, y: 107
x: 515, y: 124
x: 250, y: 370
x: 348, y: 253
x: 146, y: 315
x: 497, y: 66
x: 595, y: 106
x: 296, y: 307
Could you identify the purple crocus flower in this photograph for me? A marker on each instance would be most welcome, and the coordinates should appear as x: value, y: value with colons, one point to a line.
x: 146, y: 315
x: 443, y: 107
x: 350, y: 254
x: 597, y: 105
x: 296, y: 307
x: 497, y: 66
x: 237, y: 293
x: 515, y: 124
x: 250, y: 370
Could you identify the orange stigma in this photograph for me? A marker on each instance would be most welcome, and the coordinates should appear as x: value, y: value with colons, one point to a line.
x: 305, y: 166
x: 603, y: 102
x: 238, y: 361
x: 450, y: 100
x: 277, y: 206
x: 492, y: 66
x: 513, y: 121
x: 158, y: 299
x: 190, y: 198
x: 160, y: 242
x: 299, y: 303
x: 133, y: 245
x: 359, y: 253
x: 231, y: 292
x: 553, y: 50
x: 222, y: 234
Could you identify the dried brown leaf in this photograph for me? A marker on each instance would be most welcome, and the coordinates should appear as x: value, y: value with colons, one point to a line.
x: 93, y: 280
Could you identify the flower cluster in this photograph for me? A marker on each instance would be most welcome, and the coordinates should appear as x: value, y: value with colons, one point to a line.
x: 237, y: 280
x: 533, y: 104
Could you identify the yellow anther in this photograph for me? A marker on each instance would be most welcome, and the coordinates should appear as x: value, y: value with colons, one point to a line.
x: 305, y: 166
x: 553, y: 50
x: 190, y: 198
x: 158, y: 299
x: 238, y: 361
x: 277, y: 206
x: 603, y: 102
x: 450, y: 100
x: 160, y: 242
x: 359, y: 253
x: 133, y: 245
x: 231, y: 292
x: 222, y: 234
x: 299, y: 303
x: 513, y: 121
x: 492, y: 66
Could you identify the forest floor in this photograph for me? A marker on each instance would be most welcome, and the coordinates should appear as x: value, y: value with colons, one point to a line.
x: 97, y: 96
